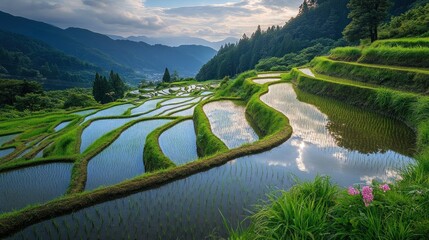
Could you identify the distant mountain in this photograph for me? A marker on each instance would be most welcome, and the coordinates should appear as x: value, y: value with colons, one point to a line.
x: 133, y: 60
x: 177, y: 41
x: 23, y: 57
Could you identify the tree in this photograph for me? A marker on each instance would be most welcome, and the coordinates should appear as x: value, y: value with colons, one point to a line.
x: 366, y: 16
x: 102, y: 90
x: 175, y: 77
x: 117, y: 85
x: 166, y: 77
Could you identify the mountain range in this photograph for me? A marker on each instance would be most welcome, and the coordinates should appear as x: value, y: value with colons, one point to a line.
x: 177, y: 41
x: 132, y: 60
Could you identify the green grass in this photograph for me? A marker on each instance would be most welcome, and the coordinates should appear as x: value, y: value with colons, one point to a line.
x: 402, y: 42
x: 397, y: 56
x: 153, y: 157
x: 207, y: 143
x: 399, y: 78
x: 349, y: 54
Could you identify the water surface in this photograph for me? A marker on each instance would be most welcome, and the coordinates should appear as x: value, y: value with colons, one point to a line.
x: 334, y: 142
x: 113, y: 111
x: 123, y: 159
x: 31, y: 185
x: 228, y: 122
x: 179, y: 142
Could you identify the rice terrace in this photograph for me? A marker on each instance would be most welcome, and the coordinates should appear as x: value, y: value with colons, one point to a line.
x: 311, y: 130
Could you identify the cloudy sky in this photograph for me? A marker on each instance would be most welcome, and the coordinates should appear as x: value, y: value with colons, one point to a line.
x: 209, y: 19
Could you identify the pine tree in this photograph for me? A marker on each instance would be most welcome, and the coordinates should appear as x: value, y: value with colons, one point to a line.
x: 366, y: 16
x: 166, y: 77
x: 117, y: 85
x: 97, y: 88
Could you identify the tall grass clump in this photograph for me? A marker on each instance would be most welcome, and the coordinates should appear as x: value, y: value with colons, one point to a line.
x: 233, y: 88
x: 300, y: 213
x: 408, y: 80
x: 402, y: 42
x: 349, y: 54
x: 397, y: 56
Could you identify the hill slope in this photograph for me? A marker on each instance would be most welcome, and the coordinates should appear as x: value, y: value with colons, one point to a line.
x: 319, y: 21
x: 131, y: 59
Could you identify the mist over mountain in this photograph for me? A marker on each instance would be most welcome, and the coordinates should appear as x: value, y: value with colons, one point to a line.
x: 177, y: 41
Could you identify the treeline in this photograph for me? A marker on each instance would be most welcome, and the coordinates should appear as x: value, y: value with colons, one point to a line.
x: 412, y: 23
x: 108, y: 90
x: 23, y: 57
x: 317, y: 28
x: 19, y: 98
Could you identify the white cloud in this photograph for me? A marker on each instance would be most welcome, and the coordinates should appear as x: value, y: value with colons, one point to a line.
x: 132, y: 17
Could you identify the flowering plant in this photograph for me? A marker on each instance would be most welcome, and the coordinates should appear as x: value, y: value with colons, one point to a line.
x: 367, y: 192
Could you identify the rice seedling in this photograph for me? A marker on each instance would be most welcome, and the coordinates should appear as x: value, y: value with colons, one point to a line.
x: 179, y: 143
x: 146, y: 106
x: 228, y: 122
x: 61, y: 126
x: 32, y: 185
x: 7, y: 138
x: 85, y: 112
x: 110, y: 167
x: 99, y: 128
x: 112, y: 111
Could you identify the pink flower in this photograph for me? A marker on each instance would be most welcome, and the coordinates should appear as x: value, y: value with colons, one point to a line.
x: 385, y: 187
x: 367, y: 195
x: 353, y: 191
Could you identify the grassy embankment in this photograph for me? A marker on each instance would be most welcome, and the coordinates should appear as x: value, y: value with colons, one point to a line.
x: 321, y: 210
x: 12, y: 222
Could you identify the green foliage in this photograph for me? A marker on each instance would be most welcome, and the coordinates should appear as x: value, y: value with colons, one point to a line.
x: 33, y: 102
x: 349, y: 54
x: 324, y: 19
x: 402, y: 43
x: 79, y: 100
x: 397, y: 56
x: 10, y: 89
x: 300, y: 213
x: 366, y: 16
x: 409, y: 80
x: 234, y: 88
x: 105, y: 91
x: 411, y: 52
x: 412, y: 23
x: 23, y: 57
x: 291, y: 60
x: 166, y: 77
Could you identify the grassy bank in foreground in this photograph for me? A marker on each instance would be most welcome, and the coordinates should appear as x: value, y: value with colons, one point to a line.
x: 322, y: 210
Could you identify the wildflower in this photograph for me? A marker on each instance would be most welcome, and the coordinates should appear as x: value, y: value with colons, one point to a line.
x: 385, y: 187
x: 353, y: 191
x: 367, y: 195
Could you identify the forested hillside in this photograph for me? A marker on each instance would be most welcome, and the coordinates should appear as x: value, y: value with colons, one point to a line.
x: 317, y: 28
x: 133, y: 60
x: 21, y: 56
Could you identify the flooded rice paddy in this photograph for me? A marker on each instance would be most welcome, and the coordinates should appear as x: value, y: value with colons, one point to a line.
x: 179, y: 143
x: 329, y: 138
x: 228, y: 122
x: 32, y: 185
x: 123, y: 159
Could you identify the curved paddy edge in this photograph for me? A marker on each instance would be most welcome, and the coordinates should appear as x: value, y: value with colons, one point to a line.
x: 14, y: 221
